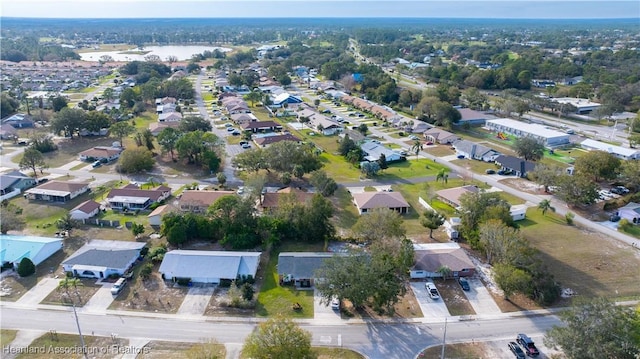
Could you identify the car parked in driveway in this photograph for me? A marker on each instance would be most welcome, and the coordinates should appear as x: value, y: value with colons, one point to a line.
x: 489, y: 171
x: 432, y: 290
x: 335, y: 303
x: 528, y: 345
x: 230, y: 129
x: 464, y: 283
x: 515, y: 349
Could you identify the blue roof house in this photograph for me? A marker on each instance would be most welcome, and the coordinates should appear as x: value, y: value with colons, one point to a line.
x: 37, y: 249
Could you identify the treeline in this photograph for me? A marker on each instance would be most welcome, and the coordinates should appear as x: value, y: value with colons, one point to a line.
x: 31, y: 49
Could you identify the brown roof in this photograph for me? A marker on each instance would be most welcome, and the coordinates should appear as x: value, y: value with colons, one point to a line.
x: 161, y: 210
x: 267, y: 140
x: 431, y: 260
x: 453, y: 194
x: 156, y: 127
x: 101, y: 151
x: 260, y: 124
x: 438, y: 133
x: 87, y: 206
x: 371, y: 200
x: 63, y: 186
x: 202, y: 198
x: 271, y: 199
x: 127, y: 191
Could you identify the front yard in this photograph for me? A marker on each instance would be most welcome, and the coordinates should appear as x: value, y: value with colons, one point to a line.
x: 78, y: 295
x: 66, y: 344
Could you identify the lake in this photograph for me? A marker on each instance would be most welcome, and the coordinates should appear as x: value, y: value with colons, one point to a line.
x: 181, y: 52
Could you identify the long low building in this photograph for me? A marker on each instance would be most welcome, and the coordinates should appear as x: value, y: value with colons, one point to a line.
x: 208, y: 266
x: 14, y: 248
x: 618, y: 151
x: 548, y: 137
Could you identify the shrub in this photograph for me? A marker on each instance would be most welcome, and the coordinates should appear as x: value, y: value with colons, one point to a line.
x: 26, y: 267
x: 144, y: 251
x: 247, y: 291
x: 183, y: 281
x: 225, y: 283
x: 146, y: 270
x: 569, y: 218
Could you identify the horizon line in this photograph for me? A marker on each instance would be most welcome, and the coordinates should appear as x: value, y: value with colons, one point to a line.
x: 320, y: 17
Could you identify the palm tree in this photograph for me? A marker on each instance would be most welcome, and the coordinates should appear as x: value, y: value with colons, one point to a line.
x: 442, y: 175
x: 416, y: 147
x: 545, y: 205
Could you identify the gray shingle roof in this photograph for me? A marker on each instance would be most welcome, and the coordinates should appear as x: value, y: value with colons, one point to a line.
x: 110, y: 254
x: 302, y: 264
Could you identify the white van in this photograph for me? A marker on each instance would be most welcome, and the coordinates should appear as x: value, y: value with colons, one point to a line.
x: 118, y: 286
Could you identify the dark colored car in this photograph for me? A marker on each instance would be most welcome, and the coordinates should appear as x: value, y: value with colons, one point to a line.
x: 490, y: 171
x: 464, y: 283
x: 515, y: 349
x: 528, y: 345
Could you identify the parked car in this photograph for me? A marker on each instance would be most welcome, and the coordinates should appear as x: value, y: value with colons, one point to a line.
x: 228, y: 124
x: 489, y: 171
x: 515, y: 349
x: 464, y: 283
x: 528, y: 345
x: 246, y: 145
x: 96, y: 164
x: 413, y: 137
x: 118, y: 286
x: 620, y: 190
x: 335, y: 303
x: 432, y: 290
x: 614, y: 218
x: 230, y: 129
x: 429, y: 143
x: 461, y: 157
x: 235, y: 133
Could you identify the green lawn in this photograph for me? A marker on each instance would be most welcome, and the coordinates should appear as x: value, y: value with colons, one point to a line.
x: 475, y: 166
x: 346, y: 214
x: 274, y: 299
x: 41, y: 217
x: 632, y: 231
x: 411, y: 169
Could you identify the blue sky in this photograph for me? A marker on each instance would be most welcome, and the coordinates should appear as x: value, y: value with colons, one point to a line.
x: 541, y: 9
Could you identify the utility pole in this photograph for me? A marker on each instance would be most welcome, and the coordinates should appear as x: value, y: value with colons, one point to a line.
x: 84, y: 351
x: 444, y: 338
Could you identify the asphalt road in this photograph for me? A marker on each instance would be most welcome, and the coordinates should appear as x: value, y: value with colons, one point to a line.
x: 375, y: 340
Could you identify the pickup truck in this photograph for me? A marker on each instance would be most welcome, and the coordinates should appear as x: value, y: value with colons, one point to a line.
x: 528, y: 345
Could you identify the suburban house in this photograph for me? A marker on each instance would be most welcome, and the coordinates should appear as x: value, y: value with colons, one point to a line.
x: 518, y: 212
x: 100, y: 153
x: 7, y: 132
x: 299, y: 268
x: 417, y: 126
x: 18, y: 120
x: 369, y: 201
x: 101, y: 259
x: 208, y: 266
x: 438, y: 135
x: 13, y: 183
x: 170, y: 117
x: 261, y: 126
x: 243, y: 118
x: 475, y: 151
x: 472, y: 117
x: 131, y: 197
x: 319, y: 122
x: 630, y: 212
x: 85, y: 210
x: 166, y: 100
x: 284, y: 98
x: 155, y: 217
x: 37, y: 249
x: 451, y: 196
x: 271, y: 200
x: 618, y: 151
x: 264, y: 141
x: 199, y: 201
x: 431, y: 258
x: 157, y: 127
x: 517, y: 166
x: 373, y: 150
x: 549, y: 138
x: 57, y: 191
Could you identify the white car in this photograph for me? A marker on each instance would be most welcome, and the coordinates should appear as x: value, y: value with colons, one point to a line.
x: 335, y: 303
x: 432, y: 290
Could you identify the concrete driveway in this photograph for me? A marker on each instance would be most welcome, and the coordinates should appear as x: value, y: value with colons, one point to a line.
x: 323, y: 313
x: 480, y: 299
x: 432, y: 309
x: 40, y: 291
x: 101, y: 300
x: 197, y: 300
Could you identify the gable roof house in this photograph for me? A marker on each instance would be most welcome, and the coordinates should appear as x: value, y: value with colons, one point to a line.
x: 630, y: 212
x: 300, y: 268
x: 373, y: 150
x: 475, y: 151
x: 285, y: 97
x: 14, y: 248
x: 208, y: 266
x: 271, y: 200
x: 430, y: 257
x: 261, y: 126
x: 199, y: 201
x: 369, y: 201
x: 131, y: 197
x: 14, y: 182
x: 100, y: 153
x: 618, y: 151
x: 101, y: 259
x: 243, y: 118
x: 155, y: 217
x: 18, y: 120
x: 85, y: 210
x: 265, y: 141
x: 517, y: 166
x: 451, y: 196
x: 57, y: 191
x: 438, y: 135
x: 7, y: 132
x: 472, y: 117
x: 170, y: 117
x: 157, y: 127
x: 316, y: 121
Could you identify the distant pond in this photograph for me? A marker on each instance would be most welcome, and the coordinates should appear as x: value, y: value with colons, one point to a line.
x: 181, y: 52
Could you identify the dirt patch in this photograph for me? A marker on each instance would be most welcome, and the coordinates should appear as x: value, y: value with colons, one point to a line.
x: 524, y: 185
x: 179, y: 350
x: 78, y: 295
x: 462, y: 351
x: 218, y: 306
x: 453, y: 296
x: 96, y: 347
x: 407, y: 307
x: 150, y: 295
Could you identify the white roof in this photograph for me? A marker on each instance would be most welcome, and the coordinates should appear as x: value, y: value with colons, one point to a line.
x: 607, y: 147
x: 577, y: 102
x: 209, y: 264
x: 129, y: 199
x: 533, y: 129
x: 435, y: 246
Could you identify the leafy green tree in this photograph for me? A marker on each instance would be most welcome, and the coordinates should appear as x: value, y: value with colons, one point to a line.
x: 194, y: 123
x: 370, y: 169
x: 26, y: 267
x: 135, y: 160
x: 545, y: 205
x: 346, y: 277
x: 634, y: 140
x: 278, y: 338
x: 168, y: 138
x: 598, y: 165
x: 577, y: 190
x: 247, y: 291
x: 546, y: 175
x: 511, y: 279
x: 363, y: 128
x: 95, y: 121
x: 474, y: 207
x: 252, y: 160
x: 147, y: 139
x: 432, y: 220
x: 630, y: 174
x: 382, y: 162
x: 68, y: 121
x: 323, y: 183
x: 66, y: 223
x: 137, y: 229
x: 59, y: 103
x: 253, y: 97
x: 33, y: 160
x: 354, y: 156
x: 193, y: 146
x: 121, y: 130
x: 222, y: 178
x: 285, y: 155
x: 378, y: 225
x: 346, y: 145
x: 596, y: 328
x: 528, y: 148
